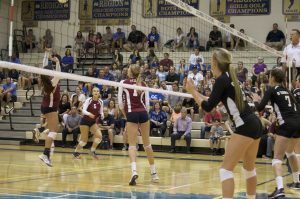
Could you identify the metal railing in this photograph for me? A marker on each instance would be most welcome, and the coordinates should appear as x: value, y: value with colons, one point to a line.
x: 8, y: 110
x: 30, y: 98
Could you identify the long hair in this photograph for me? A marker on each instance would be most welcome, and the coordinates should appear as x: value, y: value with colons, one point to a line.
x: 224, y: 59
x: 47, y: 84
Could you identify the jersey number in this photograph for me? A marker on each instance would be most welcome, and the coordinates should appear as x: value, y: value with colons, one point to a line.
x: 289, y: 100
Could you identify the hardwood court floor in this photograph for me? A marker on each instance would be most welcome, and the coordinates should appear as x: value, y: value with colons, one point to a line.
x: 22, y: 175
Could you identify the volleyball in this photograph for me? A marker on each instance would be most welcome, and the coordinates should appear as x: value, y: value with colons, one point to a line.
x: 62, y: 1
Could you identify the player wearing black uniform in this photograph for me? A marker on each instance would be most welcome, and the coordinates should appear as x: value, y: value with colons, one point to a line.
x: 248, y: 126
x: 288, y: 118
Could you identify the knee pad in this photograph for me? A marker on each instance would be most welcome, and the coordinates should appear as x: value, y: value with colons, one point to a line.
x: 288, y: 155
x: 132, y: 147
x: 298, y: 154
x: 225, y: 174
x: 82, y: 144
x: 52, y: 135
x: 276, y: 161
x: 147, y: 147
x: 97, y: 140
x: 249, y: 174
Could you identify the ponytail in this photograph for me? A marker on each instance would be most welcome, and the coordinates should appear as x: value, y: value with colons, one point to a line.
x: 238, y: 91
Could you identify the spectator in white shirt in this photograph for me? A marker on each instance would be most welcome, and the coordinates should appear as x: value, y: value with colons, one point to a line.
x: 196, y: 59
x: 196, y: 76
x: 81, y: 96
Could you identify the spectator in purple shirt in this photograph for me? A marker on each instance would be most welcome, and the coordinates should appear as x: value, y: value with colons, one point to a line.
x: 182, y: 128
x: 118, y: 39
x: 257, y: 69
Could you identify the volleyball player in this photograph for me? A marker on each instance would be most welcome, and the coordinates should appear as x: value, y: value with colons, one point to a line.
x: 50, y: 105
x: 92, y: 109
x: 134, y: 105
x: 288, y: 117
x: 243, y: 144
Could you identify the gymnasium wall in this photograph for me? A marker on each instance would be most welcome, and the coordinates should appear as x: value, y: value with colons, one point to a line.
x: 4, y: 23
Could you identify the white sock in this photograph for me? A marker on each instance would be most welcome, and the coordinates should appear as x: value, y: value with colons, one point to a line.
x: 133, y: 168
x: 296, y: 177
x: 279, y: 182
x: 93, y: 149
x: 152, y: 168
x: 251, y: 196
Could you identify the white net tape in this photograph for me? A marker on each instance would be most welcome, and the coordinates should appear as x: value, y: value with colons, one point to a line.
x: 61, y: 75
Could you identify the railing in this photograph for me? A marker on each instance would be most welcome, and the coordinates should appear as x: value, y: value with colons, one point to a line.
x: 30, y: 98
x: 8, y: 110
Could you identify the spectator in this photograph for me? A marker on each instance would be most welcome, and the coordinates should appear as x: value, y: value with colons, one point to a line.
x: 161, y: 74
x: 24, y: 81
x: 242, y: 73
x: 241, y: 44
x: 209, y: 120
x: 275, y: 38
x: 278, y: 64
x: 99, y: 43
x: 106, y: 94
x: 118, y: 39
x: 196, y: 59
x: 154, y: 97
x: 152, y: 59
x: 230, y: 39
x: 216, y: 132
x: 107, y: 126
x: 108, y: 39
x: 90, y: 43
x: 174, y: 99
x: 9, y: 92
x: 158, y: 120
x: 80, y: 96
x: 183, y: 70
x: 118, y: 58
x: 47, y: 39
x: 196, y: 76
x: 182, y: 127
x: 134, y: 57
x: 208, y: 80
x: 67, y: 62
x: 30, y: 41
x: 64, y: 107
x: 107, y: 74
x: 136, y: 40
x: 179, y: 40
x: 115, y: 72
x: 172, y: 77
x: 257, y: 69
x: 124, y: 73
x: 190, y: 106
x: 71, y: 127
x: 153, y: 38
x: 176, y: 113
x: 15, y: 59
x: 14, y: 75
x: 79, y: 43
x: 192, y: 39
x: 215, y: 39
x: 91, y: 72
x: 166, y: 62
x: 153, y: 76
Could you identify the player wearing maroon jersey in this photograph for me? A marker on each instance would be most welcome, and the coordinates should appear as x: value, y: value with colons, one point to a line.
x: 134, y: 105
x: 49, y: 105
x: 92, y: 109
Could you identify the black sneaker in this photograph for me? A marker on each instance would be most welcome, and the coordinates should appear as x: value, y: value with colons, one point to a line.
x: 76, y: 155
x: 132, y: 181
x: 293, y: 185
x: 278, y: 193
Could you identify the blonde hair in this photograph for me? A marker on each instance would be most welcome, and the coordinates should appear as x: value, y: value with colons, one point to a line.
x: 224, y: 59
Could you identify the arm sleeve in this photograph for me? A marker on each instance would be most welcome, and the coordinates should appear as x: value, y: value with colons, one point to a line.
x: 120, y: 100
x: 260, y: 106
x: 45, y: 59
x: 215, y: 96
x: 101, y: 110
x: 55, y: 80
x: 85, y: 106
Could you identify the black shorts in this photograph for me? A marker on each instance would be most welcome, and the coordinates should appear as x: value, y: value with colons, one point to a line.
x: 251, y: 128
x: 137, y: 117
x: 290, y: 129
x: 85, y: 122
x: 46, y: 110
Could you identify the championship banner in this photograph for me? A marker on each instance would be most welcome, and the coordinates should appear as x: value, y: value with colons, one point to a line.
x: 113, y: 22
x: 246, y: 7
x: 291, y: 7
x: 87, y: 25
x: 161, y: 8
x: 104, y: 9
x: 45, y: 10
x: 293, y: 17
x: 85, y: 9
x: 217, y: 9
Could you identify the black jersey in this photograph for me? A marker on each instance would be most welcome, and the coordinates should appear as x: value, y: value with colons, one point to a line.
x: 285, y: 107
x: 223, y: 91
x: 296, y: 93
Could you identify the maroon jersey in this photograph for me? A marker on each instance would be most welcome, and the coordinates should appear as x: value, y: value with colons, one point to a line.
x: 92, y: 107
x: 52, y: 99
x: 132, y: 100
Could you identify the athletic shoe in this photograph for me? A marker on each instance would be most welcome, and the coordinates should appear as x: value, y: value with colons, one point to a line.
x: 293, y: 185
x: 76, y: 155
x: 132, y: 181
x: 45, y: 159
x: 154, y: 177
x: 124, y: 148
x: 35, y: 137
x: 94, y: 155
x: 278, y: 193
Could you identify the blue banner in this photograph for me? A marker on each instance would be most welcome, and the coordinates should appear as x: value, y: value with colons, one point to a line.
x: 118, y: 9
x: 248, y: 7
x: 51, y: 10
x: 165, y: 9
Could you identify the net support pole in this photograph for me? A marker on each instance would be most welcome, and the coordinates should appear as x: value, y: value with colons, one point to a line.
x: 11, y: 23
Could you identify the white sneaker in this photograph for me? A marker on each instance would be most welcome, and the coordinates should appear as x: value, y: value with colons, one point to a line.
x: 45, y: 159
x: 154, y: 177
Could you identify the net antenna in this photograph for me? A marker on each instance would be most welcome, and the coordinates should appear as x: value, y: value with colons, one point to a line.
x: 223, y: 26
